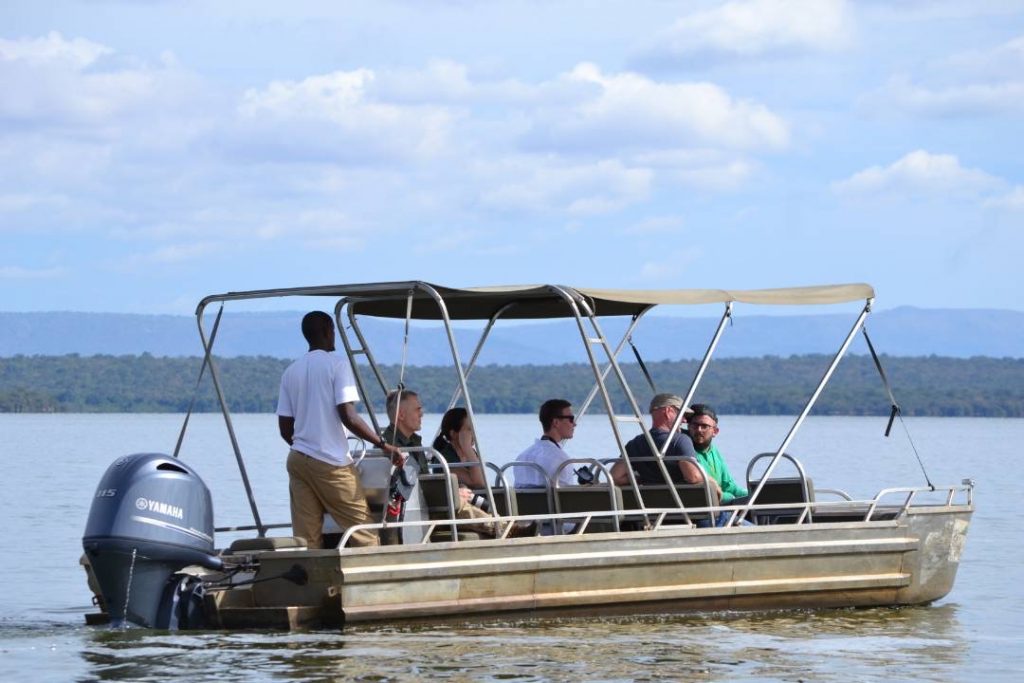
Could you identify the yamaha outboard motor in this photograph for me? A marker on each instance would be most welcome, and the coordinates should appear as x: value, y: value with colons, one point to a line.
x: 151, y: 516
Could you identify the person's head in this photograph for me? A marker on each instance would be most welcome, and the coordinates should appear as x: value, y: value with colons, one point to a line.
x: 453, y: 422
x: 703, y: 424
x: 557, y: 419
x: 664, y: 408
x: 318, y: 329
x: 406, y: 414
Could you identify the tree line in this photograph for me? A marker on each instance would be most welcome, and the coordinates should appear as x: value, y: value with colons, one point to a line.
x: 769, y: 385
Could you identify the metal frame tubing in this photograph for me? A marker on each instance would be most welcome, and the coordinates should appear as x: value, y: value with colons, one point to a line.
x: 215, y: 376
x: 604, y: 373
x: 575, y: 301
x: 810, y: 404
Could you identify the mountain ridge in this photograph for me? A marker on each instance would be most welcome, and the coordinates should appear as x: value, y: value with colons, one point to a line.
x: 902, y: 331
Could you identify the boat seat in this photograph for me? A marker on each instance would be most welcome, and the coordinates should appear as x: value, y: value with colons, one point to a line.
x: 245, y: 545
x: 659, y: 496
x: 533, y: 501
x: 778, y: 491
x: 854, y: 512
x: 438, y: 490
x: 592, y: 498
x: 504, y: 501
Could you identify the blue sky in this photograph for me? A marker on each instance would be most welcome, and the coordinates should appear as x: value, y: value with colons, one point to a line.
x: 154, y: 152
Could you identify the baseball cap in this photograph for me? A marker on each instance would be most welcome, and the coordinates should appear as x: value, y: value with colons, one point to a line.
x: 666, y: 400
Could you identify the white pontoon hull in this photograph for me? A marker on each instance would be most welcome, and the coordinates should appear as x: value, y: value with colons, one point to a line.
x: 912, y: 560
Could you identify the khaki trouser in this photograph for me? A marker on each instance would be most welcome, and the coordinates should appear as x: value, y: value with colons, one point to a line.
x: 469, y: 511
x: 317, y: 487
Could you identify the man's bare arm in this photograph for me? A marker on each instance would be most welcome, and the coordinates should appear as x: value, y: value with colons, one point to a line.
x: 355, y: 424
x: 286, y: 426
x: 620, y: 476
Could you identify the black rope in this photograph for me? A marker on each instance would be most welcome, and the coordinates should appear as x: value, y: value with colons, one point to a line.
x: 640, y: 361
x: 895, y: 410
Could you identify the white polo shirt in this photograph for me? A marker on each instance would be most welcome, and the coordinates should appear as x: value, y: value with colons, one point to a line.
x: 312, y: 388
x: 549, y: 456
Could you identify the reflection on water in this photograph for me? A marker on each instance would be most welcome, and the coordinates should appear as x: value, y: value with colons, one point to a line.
x: 833, y: 645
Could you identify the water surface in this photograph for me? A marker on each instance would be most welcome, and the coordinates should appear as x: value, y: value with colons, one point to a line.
x: 52, y: 463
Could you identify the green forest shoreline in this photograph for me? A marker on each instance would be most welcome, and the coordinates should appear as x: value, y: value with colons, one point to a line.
x: 770, y: 385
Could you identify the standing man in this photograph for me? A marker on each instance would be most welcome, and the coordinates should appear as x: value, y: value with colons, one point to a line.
x: 664, y: 409
x: 703, y: 426
x: 559, y: 424
x: 316, y: 411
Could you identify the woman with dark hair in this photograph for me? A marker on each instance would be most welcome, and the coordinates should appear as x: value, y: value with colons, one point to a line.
x: 457, y: 444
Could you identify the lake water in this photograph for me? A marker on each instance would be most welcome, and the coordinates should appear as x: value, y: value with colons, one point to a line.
x: 52, y: 463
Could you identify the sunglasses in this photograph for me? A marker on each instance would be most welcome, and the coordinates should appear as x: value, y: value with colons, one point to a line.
x: 570, y: 418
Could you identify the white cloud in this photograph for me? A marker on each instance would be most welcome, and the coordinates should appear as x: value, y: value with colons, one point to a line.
x: 672, y: 266
x: 21, y: 273
x: 11, y: 203
x: 178, y: 253
x: 976, y: 82
x: 457, y: 240
x: 447, y: 82
x: 1005, y: 97
x: 1004, y: 61
x: 53, y: 82
x: 748, y: 29
x: 920, y: 173
x: 1012, y: 200
x: 336, y: 117
x: 583, y: 189
x: 151, y: 154
x: 656, y: 225
x: 628, y: 111
x: 52, y: 49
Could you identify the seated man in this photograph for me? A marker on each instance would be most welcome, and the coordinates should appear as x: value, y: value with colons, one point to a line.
x: 664, y: 408
x: 405, y: 419
x: 559, y: 424
x: 703, y: 426
x: 405, y: 412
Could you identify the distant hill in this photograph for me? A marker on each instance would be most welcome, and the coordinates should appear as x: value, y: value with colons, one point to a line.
x: 906, y: 331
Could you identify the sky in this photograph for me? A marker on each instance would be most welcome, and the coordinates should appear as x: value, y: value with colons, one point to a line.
x: 155, y: 152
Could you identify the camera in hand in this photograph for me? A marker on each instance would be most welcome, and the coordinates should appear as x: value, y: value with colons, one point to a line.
x: 584, y: 476
x: 481, y: 502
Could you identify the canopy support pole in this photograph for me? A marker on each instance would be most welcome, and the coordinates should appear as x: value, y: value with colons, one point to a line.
x: 810, y: 404
x: 215, y: 376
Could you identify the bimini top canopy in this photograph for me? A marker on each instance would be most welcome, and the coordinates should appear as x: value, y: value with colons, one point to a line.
x: 389, y: 299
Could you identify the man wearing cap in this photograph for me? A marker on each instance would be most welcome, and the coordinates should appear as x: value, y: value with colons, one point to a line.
x: 702, y: 422
x: 664, y: 409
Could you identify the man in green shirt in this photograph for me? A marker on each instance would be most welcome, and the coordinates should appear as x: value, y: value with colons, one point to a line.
x: 703, y: 427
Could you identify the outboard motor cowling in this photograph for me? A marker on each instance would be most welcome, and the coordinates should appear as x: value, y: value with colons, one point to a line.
x: 151, y: 516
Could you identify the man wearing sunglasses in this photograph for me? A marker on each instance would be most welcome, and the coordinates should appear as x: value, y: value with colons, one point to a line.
x: 559, y: 424
x: 703, y: 426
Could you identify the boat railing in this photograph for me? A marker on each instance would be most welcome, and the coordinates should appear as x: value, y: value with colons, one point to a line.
x: 833, y: 492
x: 548, y: 489
x: 666, y: 518
x: 870, y: 507
x: 909, y: 494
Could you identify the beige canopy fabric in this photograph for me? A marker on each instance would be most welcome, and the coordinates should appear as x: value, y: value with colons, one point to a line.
x: 389, y: 299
